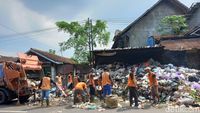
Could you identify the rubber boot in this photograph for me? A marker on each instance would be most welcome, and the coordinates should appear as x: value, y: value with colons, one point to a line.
x: 42, y: 103
x: 47, y: 101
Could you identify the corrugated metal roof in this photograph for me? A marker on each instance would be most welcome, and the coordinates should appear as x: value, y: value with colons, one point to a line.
x: 181, y: 44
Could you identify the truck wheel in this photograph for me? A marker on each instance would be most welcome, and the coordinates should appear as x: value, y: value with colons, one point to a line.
x: 3, y: 97
x: 23, y: 99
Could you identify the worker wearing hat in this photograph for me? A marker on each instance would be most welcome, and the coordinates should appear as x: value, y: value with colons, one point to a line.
x: 153, y: 83
x: 45, y: 85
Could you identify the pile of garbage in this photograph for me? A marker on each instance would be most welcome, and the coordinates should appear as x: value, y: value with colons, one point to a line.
x: 179, y: 85
x: 89, y: 106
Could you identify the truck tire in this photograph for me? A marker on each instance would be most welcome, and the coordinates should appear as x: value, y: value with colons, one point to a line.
x: 3, y: 97
x: 23, y: 99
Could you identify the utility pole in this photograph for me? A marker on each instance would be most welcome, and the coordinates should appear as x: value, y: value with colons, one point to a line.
x: 92, y: 42
x: 89, y: 41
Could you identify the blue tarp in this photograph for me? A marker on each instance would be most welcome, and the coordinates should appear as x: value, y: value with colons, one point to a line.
x: 1, y: 71
x: 150, y: 41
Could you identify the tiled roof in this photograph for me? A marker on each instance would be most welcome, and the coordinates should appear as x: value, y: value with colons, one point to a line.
x: 52, y: 57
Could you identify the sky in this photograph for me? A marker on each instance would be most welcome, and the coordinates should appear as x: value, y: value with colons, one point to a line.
x: 26, y: 24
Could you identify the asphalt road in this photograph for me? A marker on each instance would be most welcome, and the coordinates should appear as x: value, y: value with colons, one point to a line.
x: 13, y: 108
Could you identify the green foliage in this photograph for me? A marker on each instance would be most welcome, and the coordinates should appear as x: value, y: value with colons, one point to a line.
x: 79, y: 38
x: 52, y: 51
x: 173, y: 25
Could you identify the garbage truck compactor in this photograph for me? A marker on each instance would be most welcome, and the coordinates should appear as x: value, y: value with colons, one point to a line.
x: 13, y: 78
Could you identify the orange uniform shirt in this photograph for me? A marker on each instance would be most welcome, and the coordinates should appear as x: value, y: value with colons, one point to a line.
x: 46, y: 83
x: 152, y: 79
x: 106, y: 78
x: 81, y: 86
x: 131, y: 82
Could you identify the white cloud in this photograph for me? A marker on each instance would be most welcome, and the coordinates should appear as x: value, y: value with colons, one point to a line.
x: 24, y: 19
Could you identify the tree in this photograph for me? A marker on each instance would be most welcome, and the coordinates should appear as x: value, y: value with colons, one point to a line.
x: 52, y: 51
x: 79, y: 37
x: 174, y: 25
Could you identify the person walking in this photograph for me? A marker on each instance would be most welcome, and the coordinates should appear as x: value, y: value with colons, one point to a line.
x: 132, y: 87
x: 153, y: 84
x: 45, y: 85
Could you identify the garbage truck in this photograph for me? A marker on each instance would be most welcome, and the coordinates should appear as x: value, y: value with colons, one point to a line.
x: 14, y: 78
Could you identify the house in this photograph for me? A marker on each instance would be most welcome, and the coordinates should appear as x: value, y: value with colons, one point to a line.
x: 194, y: 16
x: 136, y: 34
x: 53, y: 63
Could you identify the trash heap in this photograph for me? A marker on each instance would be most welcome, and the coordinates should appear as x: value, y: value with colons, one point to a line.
x: 179, y: 85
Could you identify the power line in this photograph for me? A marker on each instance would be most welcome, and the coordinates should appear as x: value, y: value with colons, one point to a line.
x: 28, y: 32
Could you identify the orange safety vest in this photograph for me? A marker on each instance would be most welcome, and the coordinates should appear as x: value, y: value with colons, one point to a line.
x: 59, y: 80
x: 46, y: 83
x: 70, y: 78
x: 131, y: 82
x: 152, y: 79
x: 105, y: 78
x: 81, y: 86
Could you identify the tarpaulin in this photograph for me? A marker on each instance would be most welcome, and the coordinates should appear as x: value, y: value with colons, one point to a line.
x: 1, y: 71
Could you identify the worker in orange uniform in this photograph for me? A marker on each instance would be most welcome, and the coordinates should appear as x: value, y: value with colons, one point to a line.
x: 106, y: 82
x: 45, y: 85
x: 80, y: 89
x: 76, y: 79
x: 70, y: 81
x: 153, y: 83
x: 59, y: 84
x: 132, y: 86
x: 91, y: 86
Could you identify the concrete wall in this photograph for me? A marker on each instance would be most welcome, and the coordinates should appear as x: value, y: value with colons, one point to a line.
x: 148, y: 25
x: 194, y: 19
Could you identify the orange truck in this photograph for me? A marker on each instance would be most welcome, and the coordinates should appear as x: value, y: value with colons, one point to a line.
x: 14, y: 78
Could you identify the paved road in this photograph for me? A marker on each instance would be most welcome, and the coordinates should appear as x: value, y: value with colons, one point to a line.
x: 12, y: 108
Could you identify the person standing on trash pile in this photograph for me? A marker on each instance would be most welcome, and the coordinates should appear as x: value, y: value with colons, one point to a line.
x: 45, y: 85
x: 153, y: 83
x: 59, y: 84
x: 91, y: 85
x: 80, y: 90
x: 70, y: 81
x: 76, y: 79
x: 106, y: 82
x: 132, y: 87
